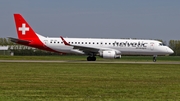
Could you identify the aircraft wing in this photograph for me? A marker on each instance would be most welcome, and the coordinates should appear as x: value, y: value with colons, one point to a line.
x: 86, y: 49
x: 19, y: 41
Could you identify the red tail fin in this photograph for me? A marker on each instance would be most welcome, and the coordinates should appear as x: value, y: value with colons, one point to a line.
x: 24, y: 30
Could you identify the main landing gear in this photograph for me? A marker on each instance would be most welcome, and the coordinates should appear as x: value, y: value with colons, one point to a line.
x: 89, y: 58
x: 154, y: 58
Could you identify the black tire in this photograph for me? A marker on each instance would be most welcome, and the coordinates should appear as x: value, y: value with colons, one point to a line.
x: 154, y: 59
x: 88, y: 58
x: 91, y: 58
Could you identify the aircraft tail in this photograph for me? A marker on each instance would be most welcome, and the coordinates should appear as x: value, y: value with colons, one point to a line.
x: 24, y: 30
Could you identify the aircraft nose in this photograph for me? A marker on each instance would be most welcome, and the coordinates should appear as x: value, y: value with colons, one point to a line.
x: 170, y: 51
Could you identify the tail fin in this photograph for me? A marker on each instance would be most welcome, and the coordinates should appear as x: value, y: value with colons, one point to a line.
x: 23, y: 29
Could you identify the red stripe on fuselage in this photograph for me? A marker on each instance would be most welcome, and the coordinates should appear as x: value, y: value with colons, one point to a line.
x: 36, y: 42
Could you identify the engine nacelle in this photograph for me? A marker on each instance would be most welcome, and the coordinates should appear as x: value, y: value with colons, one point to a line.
x: 110, y: 54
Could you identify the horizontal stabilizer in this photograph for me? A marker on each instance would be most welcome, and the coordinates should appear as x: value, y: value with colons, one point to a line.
x: 19, y: 40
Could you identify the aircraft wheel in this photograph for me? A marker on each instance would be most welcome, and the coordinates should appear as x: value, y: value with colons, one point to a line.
x: 154, y: 59
x: 91, y: 58
x: 88, y: 58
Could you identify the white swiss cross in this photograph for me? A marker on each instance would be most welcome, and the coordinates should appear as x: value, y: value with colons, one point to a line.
x: 23, y: 29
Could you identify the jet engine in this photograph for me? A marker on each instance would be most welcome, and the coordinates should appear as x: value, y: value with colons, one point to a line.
x: 110, y: 54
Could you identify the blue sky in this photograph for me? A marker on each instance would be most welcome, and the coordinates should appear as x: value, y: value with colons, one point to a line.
x: 149, y: 19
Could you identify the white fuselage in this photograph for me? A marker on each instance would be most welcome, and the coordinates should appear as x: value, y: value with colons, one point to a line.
x: 125, y: 46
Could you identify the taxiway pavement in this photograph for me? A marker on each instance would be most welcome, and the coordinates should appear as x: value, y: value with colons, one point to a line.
x: 76, y: 61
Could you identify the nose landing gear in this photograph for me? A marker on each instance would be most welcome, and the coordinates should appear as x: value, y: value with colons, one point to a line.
x: 154, y: 58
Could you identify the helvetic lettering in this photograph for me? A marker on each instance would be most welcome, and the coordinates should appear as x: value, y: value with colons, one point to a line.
x: 138, y: 45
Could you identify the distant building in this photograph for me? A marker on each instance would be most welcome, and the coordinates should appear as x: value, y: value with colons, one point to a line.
x: 4, y: 50
x: 3, y: 47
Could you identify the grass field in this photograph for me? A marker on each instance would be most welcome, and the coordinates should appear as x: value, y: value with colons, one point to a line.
x: 89, y: 81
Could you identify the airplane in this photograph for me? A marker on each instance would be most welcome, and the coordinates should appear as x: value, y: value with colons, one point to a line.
x: 92, y: 47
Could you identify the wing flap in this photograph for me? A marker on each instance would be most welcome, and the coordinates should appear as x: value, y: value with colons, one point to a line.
x: 86, y: 49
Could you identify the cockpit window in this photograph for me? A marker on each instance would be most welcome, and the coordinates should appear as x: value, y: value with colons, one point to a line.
x: 161, y: 44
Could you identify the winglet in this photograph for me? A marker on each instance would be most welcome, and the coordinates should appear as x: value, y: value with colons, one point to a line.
x: 64, y: 41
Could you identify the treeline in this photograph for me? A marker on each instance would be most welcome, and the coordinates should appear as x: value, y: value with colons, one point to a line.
x: 175, y: 46
x: 33, y: 52
x: 24, y: 50
x: 5, y: 42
